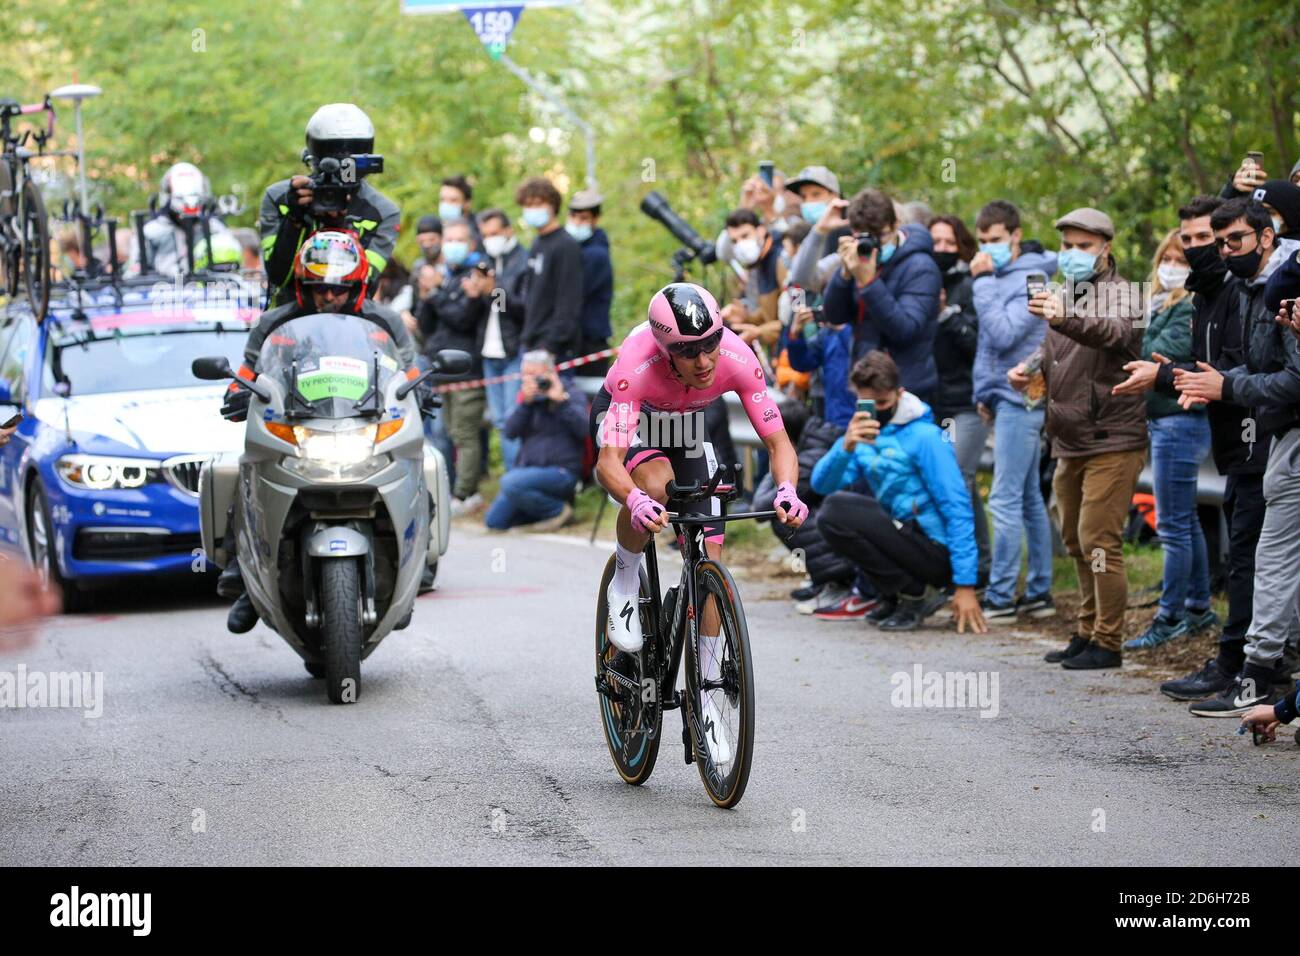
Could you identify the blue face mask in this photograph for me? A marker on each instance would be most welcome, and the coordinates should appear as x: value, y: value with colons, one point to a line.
x: 580, y: 231
x: 886, y: 253
x: 812, y: 211
x: 536, y: 216
x: 450, y: 211
x: 455, y: 252
x: 1076, y: 265
x: 999, y: 252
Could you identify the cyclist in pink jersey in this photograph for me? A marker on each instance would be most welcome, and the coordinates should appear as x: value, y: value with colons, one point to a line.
x: 647, y: 420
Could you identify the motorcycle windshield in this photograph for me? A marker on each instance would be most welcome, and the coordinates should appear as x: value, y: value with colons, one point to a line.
x: 330, y: 366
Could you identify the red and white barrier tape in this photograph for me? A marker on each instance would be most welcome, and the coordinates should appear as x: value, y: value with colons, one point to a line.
x: 559, y: 367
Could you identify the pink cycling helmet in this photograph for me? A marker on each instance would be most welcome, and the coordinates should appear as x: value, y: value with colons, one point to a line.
x: 683, y: 312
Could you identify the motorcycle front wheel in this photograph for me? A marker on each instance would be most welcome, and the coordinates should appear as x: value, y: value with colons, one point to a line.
x: 340, y: 600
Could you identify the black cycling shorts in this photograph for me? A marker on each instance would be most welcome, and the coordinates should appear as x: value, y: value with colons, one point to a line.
x: 690, y: 461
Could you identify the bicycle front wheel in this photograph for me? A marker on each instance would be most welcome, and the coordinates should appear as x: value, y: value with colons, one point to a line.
x: 720, y: 688
x: 631, y: 711
x: 35, y: 227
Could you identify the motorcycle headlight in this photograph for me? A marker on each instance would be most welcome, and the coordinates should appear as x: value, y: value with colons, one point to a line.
x: 101, y: 473
x: 336, y: 449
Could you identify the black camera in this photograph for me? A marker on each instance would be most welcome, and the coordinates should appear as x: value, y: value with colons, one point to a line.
x: 867, y: 243
x: 336, y: 180
x: 656, y: 207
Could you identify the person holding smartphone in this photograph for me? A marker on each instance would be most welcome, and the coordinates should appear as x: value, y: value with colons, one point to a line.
x: 916, y: 537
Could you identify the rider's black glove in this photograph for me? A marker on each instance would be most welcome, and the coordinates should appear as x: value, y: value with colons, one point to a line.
x: 236, y: 407
x: 427, y: 400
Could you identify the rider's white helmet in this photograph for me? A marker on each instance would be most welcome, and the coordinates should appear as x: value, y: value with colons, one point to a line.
x: 184, y: 190
x: 339, y: 129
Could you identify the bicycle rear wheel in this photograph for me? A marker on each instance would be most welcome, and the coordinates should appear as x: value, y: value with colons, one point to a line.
x: 35, y: 226
x: 631, y: 711
x: 722, y: 709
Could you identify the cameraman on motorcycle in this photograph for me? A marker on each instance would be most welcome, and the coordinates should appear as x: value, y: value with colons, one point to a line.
x: 184, y: 197
x: 330, y: 275
x: 292, y: 210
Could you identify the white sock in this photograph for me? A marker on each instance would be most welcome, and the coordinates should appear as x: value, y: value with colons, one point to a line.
x: 711, y: 656
x: 627, y: 567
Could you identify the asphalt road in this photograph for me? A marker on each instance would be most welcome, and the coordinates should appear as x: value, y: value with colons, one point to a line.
x: 476, y: 740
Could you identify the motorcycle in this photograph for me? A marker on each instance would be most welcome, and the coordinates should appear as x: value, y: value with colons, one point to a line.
x: 332, y: 495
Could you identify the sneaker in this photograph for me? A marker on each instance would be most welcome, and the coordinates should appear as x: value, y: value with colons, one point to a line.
x: 1092, y: 658
x: 885, y: 608
x: 1249, y: 688
x: 805, y: 593
x: 554, y: 523
x: 910, y: 613
x: 1159, y: 631
x: 624, y: 620
x: 1076, y: 646
x: 466, y: 506
x: 1207, y: 682
x: 1198, y: 621
x: 715, y: 731
x: 854, y: 607
x: 1038, y: 608
x: 995, y: 613
x: 830, y: 595
x: 242, y: 616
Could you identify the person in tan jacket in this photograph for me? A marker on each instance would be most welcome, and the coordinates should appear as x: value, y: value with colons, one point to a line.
x: 1098, y: 439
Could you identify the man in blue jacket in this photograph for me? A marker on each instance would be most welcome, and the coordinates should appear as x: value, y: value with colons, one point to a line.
x: 891, y: 295
x: 597, y: 278
x: 916, y: 537
x: 1008, y: 334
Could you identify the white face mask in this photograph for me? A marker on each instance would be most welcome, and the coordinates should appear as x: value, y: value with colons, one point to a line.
x: 1277, y: 225
x: 498, y: 245
x: 1172, y: 276
x: 746, y: 252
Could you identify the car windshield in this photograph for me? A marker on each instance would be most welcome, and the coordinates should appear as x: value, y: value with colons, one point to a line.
x: 92, y: 362
x: 327, y: 364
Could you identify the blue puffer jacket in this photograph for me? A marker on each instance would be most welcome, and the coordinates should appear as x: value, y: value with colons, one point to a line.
x: 900, y: 310
x: 912, y: 470
x: 832, y: 352
x: 1009, y: 332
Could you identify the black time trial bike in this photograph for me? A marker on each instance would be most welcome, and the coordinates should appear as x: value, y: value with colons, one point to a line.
x: 635, y: 689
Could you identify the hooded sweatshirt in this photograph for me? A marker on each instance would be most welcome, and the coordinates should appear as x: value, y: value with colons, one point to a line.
x: 897, y: 312
x: 912, y: 470
x: 1008, y: 332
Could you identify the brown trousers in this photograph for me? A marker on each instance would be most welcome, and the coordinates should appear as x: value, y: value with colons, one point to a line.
x: 1093, y: 496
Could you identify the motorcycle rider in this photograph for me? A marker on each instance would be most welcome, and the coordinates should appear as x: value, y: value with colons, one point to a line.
x: 290, y: 210
x: 330, y: 275
x: 184, y: 197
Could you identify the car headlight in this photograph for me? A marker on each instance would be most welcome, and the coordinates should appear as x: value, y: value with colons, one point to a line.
x: 101, y: 473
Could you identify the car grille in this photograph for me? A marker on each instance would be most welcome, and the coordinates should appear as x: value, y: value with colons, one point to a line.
x: 183, y: 472
x: 105, y: 544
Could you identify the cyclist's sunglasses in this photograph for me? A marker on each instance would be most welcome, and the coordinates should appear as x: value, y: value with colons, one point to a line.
x: 694, y: 349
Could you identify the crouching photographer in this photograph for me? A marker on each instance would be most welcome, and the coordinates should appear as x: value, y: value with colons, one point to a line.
x: 340, y: 140
x: 550, y: 424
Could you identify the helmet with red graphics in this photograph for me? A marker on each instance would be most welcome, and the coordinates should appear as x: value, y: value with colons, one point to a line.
x: 684, y: 318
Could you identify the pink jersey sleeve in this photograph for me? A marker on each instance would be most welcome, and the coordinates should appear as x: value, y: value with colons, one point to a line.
x: 741, y: 373
x: 625, y: 386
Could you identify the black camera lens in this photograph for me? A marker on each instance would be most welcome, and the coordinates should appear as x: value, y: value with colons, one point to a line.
x: 867, y: 243
x: 543, y: 383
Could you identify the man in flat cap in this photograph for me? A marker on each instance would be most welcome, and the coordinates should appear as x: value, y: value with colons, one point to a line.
x: 1098, y: 439
x: 597, y: 278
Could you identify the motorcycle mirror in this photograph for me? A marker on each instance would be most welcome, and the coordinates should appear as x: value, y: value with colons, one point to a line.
x: 213, y: 368
x: 452, y: 362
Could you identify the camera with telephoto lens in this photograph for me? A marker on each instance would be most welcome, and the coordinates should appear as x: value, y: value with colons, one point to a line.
x: 336, y: 179
x: 656, y: 207
x: 867, y: 243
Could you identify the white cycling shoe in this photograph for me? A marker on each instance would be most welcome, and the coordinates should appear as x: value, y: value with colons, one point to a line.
x: 624, y: 620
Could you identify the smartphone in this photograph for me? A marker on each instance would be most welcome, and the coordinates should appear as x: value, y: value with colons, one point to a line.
x: 1035, y: 282
x: 1255, y: 157
x: 13, y: 421
x: 765, y: 170
x: 867, y: 405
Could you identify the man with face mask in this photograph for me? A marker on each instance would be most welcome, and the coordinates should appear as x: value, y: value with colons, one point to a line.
x: 505, y: 321
x: 1240, y: 453
x: 597, y: 278
x: 756, y: 249
x: 553, y: 310
x: 1098, y: 439
x: 1267, y: 383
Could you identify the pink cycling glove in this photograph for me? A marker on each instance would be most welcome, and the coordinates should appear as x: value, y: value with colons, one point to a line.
x: 644, y: 510
x: 788, y: 499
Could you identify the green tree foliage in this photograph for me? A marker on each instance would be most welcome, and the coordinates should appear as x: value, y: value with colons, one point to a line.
x: 1129, y: 105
